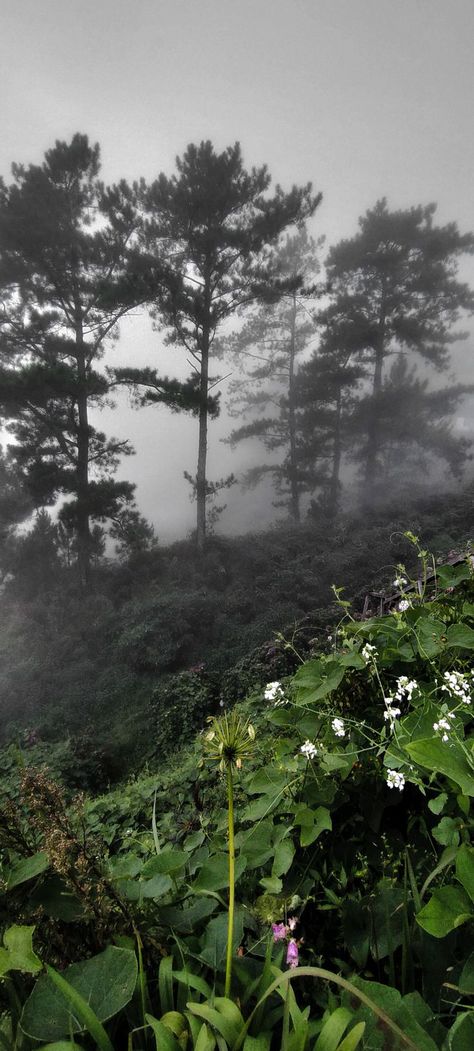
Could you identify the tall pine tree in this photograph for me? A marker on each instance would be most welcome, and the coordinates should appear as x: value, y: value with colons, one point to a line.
x: 396, y: 284
x: 64, y: 257
x: 215, y: 223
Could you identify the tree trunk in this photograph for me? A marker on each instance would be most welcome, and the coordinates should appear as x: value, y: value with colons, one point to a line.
x: 334, y: 487
x: 83, y: 524
x: 201, y: 475
x: 293, y: 466
x: 373, y: 426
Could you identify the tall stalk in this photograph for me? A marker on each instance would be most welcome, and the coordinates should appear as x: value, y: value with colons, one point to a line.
x: 230, y: 925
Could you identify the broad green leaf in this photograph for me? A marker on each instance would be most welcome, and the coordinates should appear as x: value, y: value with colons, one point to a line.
x: 214, y: 874
x: 165, y: 1039
x: 353, y: 1039
x: 461, y: 1034
x: 18, y: 953
x: 460, y: 635
x: 215, y: 1018
x: 257, y: 1043
x: 448, y: 759
x: 27, y: 869
x: 215, y: 939
x: 449, y: 576
x: 185, y: 921
x: 333, y: 1030
x: 272, y: 884
x: 56, y: 899
x: 466, y: 981
x: 269, y: 779
x: 430, y: 635
x: 465, y: 868
x: 165, y: 862
x: 206, y: 1040
x: 284, y: 855
x: 82, y: 1010
x: 437, y: 804
x: 105, y: 982
x: 447, y: 909
x: 193, y: 981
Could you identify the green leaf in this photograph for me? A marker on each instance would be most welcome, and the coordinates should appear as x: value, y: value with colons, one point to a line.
x: 466, y: 980
x: 461, y: 1034
x: 185, y: 921
x: 18, y: 954
x: 105, y: 982
x: 460, y: 635
x: 449, y: 576
x: 333, y: 1030
x: 214, y: 874
x: 353, y: 1039
x: 272, y: 884
x: 166, y: 861
x: 165, y: 984
x: 449, y: 759
x: 447, y: 909
x: 206, y: 1040
x: 215, y: 939
x: 193, y: 981
x: 82, y: 1009
x: 430, y: 635
x: 284, y: 855
x: 60, y: 1045
x: 165, y: 1039
x: 224, y: 1025
x: 465, y: 868
x: 437, y: 804
x: 28, y: 869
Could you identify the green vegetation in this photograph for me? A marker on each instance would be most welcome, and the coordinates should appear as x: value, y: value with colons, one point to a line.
x: 301, y: 877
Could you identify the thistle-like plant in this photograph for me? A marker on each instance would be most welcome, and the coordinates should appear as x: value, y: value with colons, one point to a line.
x: 229, y: 741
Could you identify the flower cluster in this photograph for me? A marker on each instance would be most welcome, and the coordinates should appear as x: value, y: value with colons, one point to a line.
x: 274, y: 692
x: 395, y: 779
x: 400, y: 582
x: 338, y: 727
x: 309, y: 750
x: 281, y: 931
x: 443, y: 726
x: 457, y: 685
x: 405, y: 688
x: 404, y: 605
x: 367, y: 652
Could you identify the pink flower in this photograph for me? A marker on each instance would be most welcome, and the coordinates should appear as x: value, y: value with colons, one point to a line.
x: 292, y: 953
x: 292, y: 921
x: 279, y: 931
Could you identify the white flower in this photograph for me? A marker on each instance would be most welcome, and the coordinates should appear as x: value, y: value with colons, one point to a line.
x: 274, y: 692
x: 403, y: 605
x: 456, y: 684
x: 367, y: 652
x: 309, y: 750
x: 395, y: 779
x: 399, y: 582
x: 442, y: 725
x: 405, y: 686
x: 391, y: 713
x: 338, y: 727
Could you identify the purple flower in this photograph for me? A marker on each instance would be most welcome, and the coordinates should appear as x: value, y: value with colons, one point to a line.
x: 292, y: 953
x: 279, y: 931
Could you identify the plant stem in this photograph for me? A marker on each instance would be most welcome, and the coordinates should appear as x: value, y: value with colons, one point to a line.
x: 230, y: 928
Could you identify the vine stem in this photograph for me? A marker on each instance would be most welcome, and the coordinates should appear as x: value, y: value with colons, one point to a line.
x: 230, y: 928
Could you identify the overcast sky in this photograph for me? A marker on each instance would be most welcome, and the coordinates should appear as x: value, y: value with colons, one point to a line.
x: 366, y: 98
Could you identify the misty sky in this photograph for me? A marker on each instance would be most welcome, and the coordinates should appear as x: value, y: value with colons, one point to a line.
x: 366, y: 98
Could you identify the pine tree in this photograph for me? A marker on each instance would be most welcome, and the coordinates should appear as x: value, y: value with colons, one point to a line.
x: 396, y: 284
x: 215, y: 224
x: 64, y: 261
x: 269, y: 347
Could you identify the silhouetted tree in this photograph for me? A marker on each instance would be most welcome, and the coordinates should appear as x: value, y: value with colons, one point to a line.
x: 268, y: 346
x: 215, y: 224
x: 396, y: 284
x: 64, y: 260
